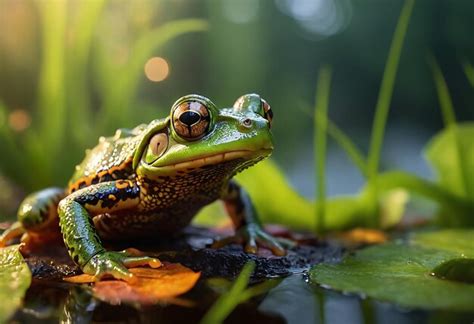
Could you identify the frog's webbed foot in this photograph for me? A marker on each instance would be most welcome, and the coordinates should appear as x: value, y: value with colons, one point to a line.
x: 253, y: 236
x: 115, y: 264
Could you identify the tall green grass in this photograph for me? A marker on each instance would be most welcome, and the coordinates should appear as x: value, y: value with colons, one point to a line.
x: 369, y: 166
x: 449, y: 118
x: 320, y: 141
x: 469, y: 72
x: 65, y: 120
x: 237, y: 293
x: 383, y: 102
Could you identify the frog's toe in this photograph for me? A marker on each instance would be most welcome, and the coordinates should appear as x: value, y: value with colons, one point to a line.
x: 108, y: 264
x: 254, y: 236
x: 132, y: 262
x: 270, y: 242
x: 251, y: 246
x: 118, y: 272
x: 286, y: 243
x: 217, y: 244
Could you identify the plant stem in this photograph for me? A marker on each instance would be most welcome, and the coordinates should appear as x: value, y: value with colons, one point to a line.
x: 228, y: 301
x: 449, y: 118
x: 444, y: 98
x: 348, y: 146
x: 320, y: 142
x: 469, y: 71
x: 51, y: 84
x: 383, y: 101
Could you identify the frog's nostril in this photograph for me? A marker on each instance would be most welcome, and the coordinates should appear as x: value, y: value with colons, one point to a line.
x: 247, y: 122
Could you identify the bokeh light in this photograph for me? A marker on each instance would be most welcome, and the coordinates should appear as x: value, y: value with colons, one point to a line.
x: 157, y: 69
x: 19, y: 120
x: 240, y: 12
x: 321, y: 17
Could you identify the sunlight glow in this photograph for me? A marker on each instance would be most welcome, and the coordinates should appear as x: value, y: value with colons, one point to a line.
x: 157, y: 69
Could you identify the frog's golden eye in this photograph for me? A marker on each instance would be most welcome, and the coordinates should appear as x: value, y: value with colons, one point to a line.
x: 267, y: 112
x: 191, y: 120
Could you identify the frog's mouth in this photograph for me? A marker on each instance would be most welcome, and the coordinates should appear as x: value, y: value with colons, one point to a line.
x: 213, y: 159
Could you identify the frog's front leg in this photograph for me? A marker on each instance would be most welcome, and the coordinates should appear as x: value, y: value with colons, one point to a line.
x: 247, y: 226
x: 83, y: 243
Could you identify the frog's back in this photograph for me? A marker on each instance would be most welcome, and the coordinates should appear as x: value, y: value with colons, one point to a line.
x: 110, y: 159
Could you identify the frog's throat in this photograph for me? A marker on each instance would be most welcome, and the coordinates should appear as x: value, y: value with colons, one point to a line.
x: 213, y: 159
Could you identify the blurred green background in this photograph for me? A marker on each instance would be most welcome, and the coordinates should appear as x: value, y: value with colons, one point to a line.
x: 71, y: 71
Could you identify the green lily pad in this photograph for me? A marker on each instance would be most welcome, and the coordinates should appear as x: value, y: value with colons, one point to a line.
x: 461, y: 270
x: 453, y: 240
x: 402, y: 273
x: 15, y: 278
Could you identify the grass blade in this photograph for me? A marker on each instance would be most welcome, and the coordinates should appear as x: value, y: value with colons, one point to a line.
x: 228, y: 301
x: 469, y: 71
x: 383, y: 105
x: 348, y: 146
x: 449, y: 118
x: 10, y: 148
x: 344, y: 142
x: 51, y: 90
x: 320, y: 142
x: 386, y: 89
x: 444, y: 98
x: 79, y: 104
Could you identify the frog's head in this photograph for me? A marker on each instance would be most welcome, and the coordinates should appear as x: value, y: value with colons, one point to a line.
x: 197, y: 135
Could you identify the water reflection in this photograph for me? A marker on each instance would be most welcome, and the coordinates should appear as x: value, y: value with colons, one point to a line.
x: 294, y: 300
x: 299, y: 303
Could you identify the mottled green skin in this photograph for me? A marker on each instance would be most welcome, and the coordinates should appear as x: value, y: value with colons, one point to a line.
x: 121, y: 190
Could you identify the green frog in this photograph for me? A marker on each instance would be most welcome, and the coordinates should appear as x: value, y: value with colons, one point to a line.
x: 152, y: 180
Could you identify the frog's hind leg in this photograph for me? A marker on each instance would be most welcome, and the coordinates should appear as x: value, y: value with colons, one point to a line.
x: 36, y: 214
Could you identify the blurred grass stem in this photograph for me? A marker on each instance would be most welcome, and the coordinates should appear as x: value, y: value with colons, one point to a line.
x: 320, y: 142
x: 383, y: 103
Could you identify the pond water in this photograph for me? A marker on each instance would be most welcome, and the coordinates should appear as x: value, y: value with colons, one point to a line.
x: 294, y: 300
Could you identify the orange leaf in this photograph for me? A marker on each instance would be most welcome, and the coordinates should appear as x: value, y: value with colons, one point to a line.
x: 151, y: 286
x: 363, y: 236
x: 82, y: 278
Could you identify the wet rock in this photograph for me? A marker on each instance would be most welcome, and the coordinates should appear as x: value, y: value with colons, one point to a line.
x: 191, y: 248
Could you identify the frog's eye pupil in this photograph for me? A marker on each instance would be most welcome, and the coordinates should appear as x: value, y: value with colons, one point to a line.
x: 191, y: 120
x: 189, y: 117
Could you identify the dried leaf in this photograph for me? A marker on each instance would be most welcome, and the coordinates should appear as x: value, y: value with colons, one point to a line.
x: 80, y: 279
x: 151, y: 286
x: 359, y: 236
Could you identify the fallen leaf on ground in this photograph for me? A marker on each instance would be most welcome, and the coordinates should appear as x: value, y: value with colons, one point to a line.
x: 363, y: 236
x: 151, y: 286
